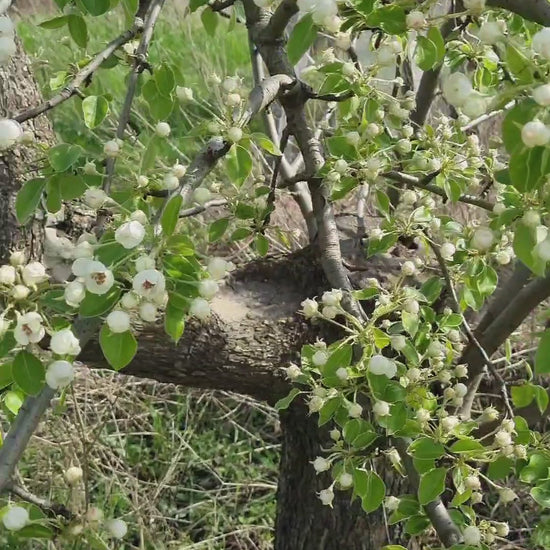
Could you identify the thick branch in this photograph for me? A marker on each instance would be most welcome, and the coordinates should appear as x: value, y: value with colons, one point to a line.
x: 533, y: 10
x: 279, y: 20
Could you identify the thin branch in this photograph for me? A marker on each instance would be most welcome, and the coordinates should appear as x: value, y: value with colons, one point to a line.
x: 329, y: 97
x: 532, y: 10
x: 139, y: 65
x: 420, y: 184
x: 218, y: 5
x: 83, y: 75
x: 469, y: 332
x: 194, y: 210
x: 487, y: 116
x: 44, y: 504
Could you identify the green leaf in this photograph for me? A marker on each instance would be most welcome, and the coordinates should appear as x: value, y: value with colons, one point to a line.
x: 541, y: 494
x: 165, y: 80
x: 370, y: 488
x: 95, y: 305
x: 13, y: 401
x: 466, y: 446
x: 518, y: 65
x: 174, y: 321
x: 63, y: 156
x: 6, y: 376
x: 426, y: 53
x: 513, y: 123
x: 500, y: 468
x: 285, y: 402
x: 28, y: 199
x: 536, y: 470
x: 36, y: 531
x: 28, y: 372
x: 170, y: 216
x: 210, y: 21
x: 265, y: 143
x: 118, y: 348
x: 66, y: 187
x: 541, y: 397
x: 524, y: 243
x: 416, y: 525
x: 217, y: 229
x: 522, y: 395
x: 527, y: 168
x: 542, y: 357
x: 7, y: 343
x: 150, y: 154
x: 97, y: 7
x: 426, y: 448
x: 434, y: 34
x: 301, y: 38
x: 432, y: 484
x: 262, y: 244
x: 239, y: 164
x: 78, y: 30
x: 391, y: 19
x: 94, y: 109
x: 54, y: 23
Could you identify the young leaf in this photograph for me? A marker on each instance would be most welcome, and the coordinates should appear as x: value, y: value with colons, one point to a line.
x: 217, y: 229
x: 94, y: 305
x: 97, y: 7
x: 285, y: 402
x: 94, y: 109
x: 210, y: 20
x: 63, y: 156
x: 78, y: 30
x: 542, y: 357
x: 432, y: 484
x: 28, y: 198
x: 28, y: 372
x: 301, y: 38
x: 118, y: 348
x: 174, y: 321
x: 370, y: 487
x: 170, y: 215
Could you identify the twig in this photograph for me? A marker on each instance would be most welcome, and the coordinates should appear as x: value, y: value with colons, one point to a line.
x: 139, y: 66
x: 221, y: 5
x: 329, y: 97
x: 467, y: 329
x: 83, y: 75
x: 44, y: 504
x: 487, y: 116
x: 420, y: 183
x: 202, y: 207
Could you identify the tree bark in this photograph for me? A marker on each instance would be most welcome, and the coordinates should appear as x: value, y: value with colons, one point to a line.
x: 303, y: 523
x: 18, y: 90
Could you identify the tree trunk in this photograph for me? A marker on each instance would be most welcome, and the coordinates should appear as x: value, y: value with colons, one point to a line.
x: 303, y: 523
x: 18, y: 90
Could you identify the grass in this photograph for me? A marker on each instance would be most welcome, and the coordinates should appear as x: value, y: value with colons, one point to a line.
x: 186, y: 469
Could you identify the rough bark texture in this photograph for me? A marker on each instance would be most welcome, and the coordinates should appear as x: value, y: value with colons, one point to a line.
x: 303, y: 523
x: 18, y: 90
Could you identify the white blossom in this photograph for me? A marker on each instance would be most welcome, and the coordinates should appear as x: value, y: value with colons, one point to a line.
x: 391, y: 503
x: 319, y: 358
x: 482, y: 239
x: 7, y: 275
x: 353, y: 138
x: 97, y: 278
x: 73, y: 474
x: 293, y: 371
x: 475, y: 105
x: 130, y: 300
x: 148, y: 312
x: 321, y: 464
x: 380, y: 365
x: 490, y: 32
x: 34, y: 273
x: 235, y: 134
x: 541, y: 42
x: 117, y: 528
x: 415, y: 20
x: 111, y: 148
x: 200, y: 308
x: 408, y: 269
x: 148, y: 283
x: 29, y: 329
x: 381, y: 408
x: 184, y: 94
x: 355, y: 410
x: 4, y: 5
x: 64, y: 342
x: 472, y: 536
x: 218, y: 268
x: 15, y: 518
x: 94, y: 197
x: 59, y: 374
x: 535, y: 133
x: 118, y: 321
x: 541, y: 95
x: 94, y: 514
x: 17, y: 258
x: 208, y: 288
x: 326, y: 496
x: 398, y: 342
x: 310, y: 308
x: 130, y: 234
x: 456, y: 88
x: 449, y: 423
x: 10, y: 130
x: 170, y: 182
x: 342, y: 373
x: 162, y: 129
x: 202, y: 195
x: 20, y: 292
x: 179, y: 170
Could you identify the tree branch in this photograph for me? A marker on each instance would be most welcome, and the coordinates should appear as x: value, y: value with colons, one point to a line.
x: 44, y: 504
x: 139, y: 65
x: 279, y: 20
x: 83, y: 75
x: 533, y: 10
x: 420, y: 184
